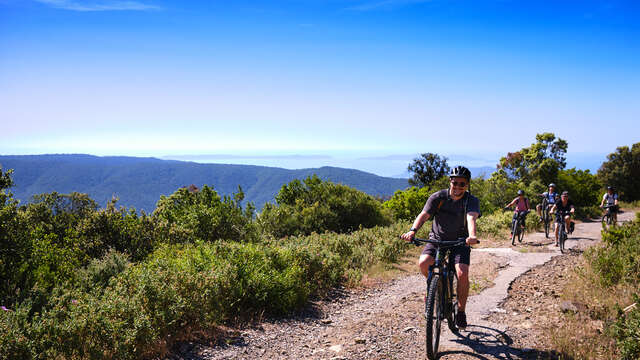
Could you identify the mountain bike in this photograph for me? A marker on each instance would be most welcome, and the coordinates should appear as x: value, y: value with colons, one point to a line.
x: 518, y: 227
x: 562, y: 233
x: 609, y: 218
x: 441, y: 301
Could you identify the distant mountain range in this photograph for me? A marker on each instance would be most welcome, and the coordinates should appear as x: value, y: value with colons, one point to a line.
x: 139, y: 182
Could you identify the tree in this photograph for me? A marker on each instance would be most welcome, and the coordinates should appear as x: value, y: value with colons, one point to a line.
x: 540, y: 161
x: 427, y: 169
x: 622, y: 171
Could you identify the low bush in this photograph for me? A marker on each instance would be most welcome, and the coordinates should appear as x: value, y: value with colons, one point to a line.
x: 317, y: 206
x: 183, y: 289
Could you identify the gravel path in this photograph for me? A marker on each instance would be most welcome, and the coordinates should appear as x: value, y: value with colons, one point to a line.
x: 386, y: 322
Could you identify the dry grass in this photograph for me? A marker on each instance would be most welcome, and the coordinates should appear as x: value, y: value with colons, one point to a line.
x: 583, y: 335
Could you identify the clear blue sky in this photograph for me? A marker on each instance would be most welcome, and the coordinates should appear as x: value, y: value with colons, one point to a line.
x: 372, y: 77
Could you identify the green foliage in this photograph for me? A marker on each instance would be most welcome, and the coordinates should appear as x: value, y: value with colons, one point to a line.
x: 622, y: 171
x: 626, y: 331
x: 407, y: 204
x: 204, y: 215
x: 584, y: 188
x: 188, y: 288
x: 619, y: 260
x: 317, y: 206
x: 617, y: 264
x: 427, y: 169
x: 540, y: 161
x: 494, y: 224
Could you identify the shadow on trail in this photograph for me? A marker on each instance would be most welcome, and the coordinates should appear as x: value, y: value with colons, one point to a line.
x: 489, y: 343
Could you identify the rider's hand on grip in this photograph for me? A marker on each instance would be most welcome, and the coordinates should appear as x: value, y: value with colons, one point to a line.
x: 472, y: 240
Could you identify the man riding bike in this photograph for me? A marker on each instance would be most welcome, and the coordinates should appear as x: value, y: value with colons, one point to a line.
x: 563, y: 210
x: 611, y: 199
x: 552, y: 198
x: 521, y: 209
x: 454, y: 212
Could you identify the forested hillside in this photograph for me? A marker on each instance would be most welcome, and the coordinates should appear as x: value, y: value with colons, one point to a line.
x: 139, y: 182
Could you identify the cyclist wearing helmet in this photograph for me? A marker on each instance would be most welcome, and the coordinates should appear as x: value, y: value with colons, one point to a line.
x: 551, y: 196
x: 563, y: 209
x: 521, y: 209
x: 454, y: 212
x: 611, y: 199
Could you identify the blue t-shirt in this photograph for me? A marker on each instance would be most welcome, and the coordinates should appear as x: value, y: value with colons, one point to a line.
x: 551, y: 197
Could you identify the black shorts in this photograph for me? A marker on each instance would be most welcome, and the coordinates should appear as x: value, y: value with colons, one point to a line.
x: 461, y: 254
x: 560, y: 218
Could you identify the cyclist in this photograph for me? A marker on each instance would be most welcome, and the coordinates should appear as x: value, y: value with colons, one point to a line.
x: 563, y: 207
x: 521, y: 209
x: 551, y: 196
x: 611, y: 198
x: 454, y: 212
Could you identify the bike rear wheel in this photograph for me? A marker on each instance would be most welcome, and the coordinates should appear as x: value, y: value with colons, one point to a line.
x: 434, y: 315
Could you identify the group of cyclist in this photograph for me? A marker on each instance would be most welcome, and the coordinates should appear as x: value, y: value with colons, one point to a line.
x: 454, y: 212
x: 561, y: 206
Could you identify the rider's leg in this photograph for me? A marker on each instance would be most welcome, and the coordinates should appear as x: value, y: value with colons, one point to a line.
x: 424, y: 262
x: 556, y: 230
x: 567, y: 222
x: 539, y: 210
x: 463, y: 285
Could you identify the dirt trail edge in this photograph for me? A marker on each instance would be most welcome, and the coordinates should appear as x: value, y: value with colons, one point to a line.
x: 387, y: 322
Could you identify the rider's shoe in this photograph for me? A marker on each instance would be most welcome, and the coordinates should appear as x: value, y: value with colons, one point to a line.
x: 461, y: 320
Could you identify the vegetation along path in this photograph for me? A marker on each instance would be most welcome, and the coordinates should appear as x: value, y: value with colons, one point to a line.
x: 386, y: 322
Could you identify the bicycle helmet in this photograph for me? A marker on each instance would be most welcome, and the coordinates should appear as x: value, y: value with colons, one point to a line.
x: 552, y: 185
x: 609, y: 187
x: 565, y: 193
x: 520, y: 192
x: 460, y: 171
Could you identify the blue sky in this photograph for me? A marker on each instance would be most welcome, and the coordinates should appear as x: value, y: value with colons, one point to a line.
x: 336, y: 79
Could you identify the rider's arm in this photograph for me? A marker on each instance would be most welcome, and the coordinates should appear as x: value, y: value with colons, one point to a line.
x: 471, y: 226
x: 417, y: 223
x: 511, y: 203
x: 573, y: 209
x: 602, y: 202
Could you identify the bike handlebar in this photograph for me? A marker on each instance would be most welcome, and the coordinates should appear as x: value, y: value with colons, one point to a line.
x: 441, y: 243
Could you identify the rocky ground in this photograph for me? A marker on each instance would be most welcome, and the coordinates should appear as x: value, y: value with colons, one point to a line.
x: 518, y: 302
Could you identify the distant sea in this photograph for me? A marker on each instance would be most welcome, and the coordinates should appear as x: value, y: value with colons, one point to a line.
x: 379, y: 164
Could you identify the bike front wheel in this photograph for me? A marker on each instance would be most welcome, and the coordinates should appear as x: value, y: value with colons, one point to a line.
x: 514, y: 232
x: 434, y: 315
x: 452, y: 302
x: 563, y: 237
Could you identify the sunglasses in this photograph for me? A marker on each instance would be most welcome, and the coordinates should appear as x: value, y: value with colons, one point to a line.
x: 459, y: 183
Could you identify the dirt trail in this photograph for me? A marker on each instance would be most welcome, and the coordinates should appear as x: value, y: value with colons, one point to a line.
x: 386, y: 322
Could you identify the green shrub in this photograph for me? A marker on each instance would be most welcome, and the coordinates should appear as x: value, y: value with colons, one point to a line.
x: 204, y: 215
x: 318, y: 206
x: 626, y: 331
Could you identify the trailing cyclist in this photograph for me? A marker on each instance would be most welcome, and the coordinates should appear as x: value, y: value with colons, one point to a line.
x: 454, y: 212
x: 551, y: 196
x: 563, y: 210
x: 521, y: 208
x: 611, y: 200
